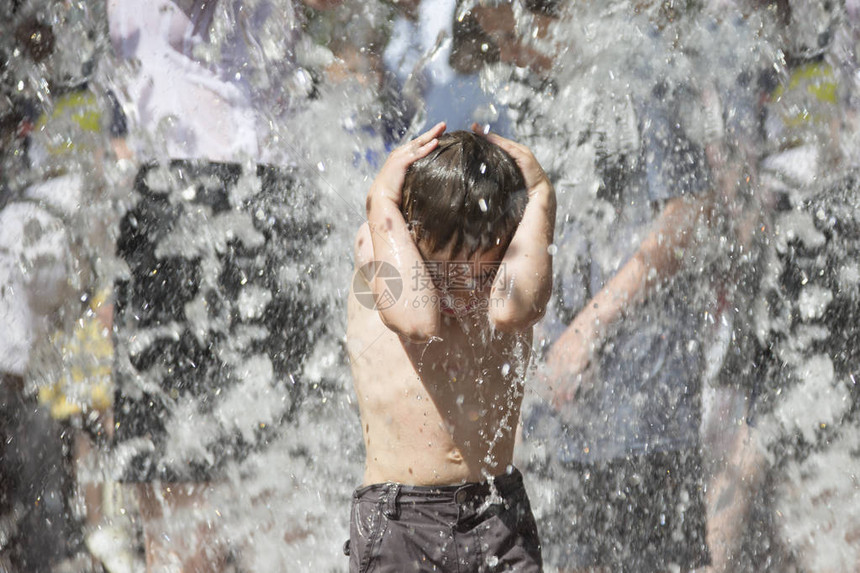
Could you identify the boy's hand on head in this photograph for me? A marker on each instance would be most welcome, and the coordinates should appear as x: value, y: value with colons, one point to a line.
x: 389, y: 181
x: 533, y: 173
x: 523, y: 291
x: 409, y: 316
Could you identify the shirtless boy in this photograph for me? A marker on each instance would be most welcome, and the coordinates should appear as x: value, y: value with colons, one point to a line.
x: 466, y: 220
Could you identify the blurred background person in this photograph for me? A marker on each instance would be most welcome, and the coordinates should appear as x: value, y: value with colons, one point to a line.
x: 52, y: 190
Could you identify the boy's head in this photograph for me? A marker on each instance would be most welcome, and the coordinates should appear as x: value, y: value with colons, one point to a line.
x: 465, y: 197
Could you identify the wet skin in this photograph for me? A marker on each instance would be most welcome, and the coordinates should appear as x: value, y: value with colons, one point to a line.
x: 439, y: 392
x: 437, y: 412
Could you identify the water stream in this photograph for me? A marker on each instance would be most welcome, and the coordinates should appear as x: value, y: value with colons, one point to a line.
x: 770, y: 88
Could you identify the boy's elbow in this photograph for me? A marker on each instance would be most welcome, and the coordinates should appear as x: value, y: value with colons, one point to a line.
x: 416, y: 336
x: 511, y: 318
x: 416, y: 329
x: 513, y: 314
x: 421, y: 333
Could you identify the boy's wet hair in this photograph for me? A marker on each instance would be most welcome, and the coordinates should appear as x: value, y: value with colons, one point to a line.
x: 467, y: 193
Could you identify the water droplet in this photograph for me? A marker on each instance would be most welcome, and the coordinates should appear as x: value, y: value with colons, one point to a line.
x: 552, y: 250
x: 506, y: 368
x: 189, y: 193
x: 482, y: 204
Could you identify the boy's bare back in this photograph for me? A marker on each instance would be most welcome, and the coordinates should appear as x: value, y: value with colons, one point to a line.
x: 439, y: 390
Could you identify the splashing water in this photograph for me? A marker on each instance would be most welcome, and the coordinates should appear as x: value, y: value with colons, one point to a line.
x: 789, y: 310
x: 787, y: 169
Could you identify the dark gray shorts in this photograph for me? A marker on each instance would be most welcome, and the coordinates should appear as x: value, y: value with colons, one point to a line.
x: 398, y: 528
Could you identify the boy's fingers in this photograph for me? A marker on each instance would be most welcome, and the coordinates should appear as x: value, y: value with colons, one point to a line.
x: 418, y: 147
x: 501, y: 141
x: 528, y: 164
x: 512, y: 147
x: 478, y: 129
x: 401, y: 158
x: 412, y: 153
x: 430, y: 134
x: 425, y: 149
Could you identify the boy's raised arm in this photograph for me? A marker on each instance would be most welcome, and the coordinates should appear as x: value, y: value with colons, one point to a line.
x: 523, y: 286
x: 415, y: 314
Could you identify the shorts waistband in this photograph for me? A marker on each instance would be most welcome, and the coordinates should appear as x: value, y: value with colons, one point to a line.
x: 504, y: 485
